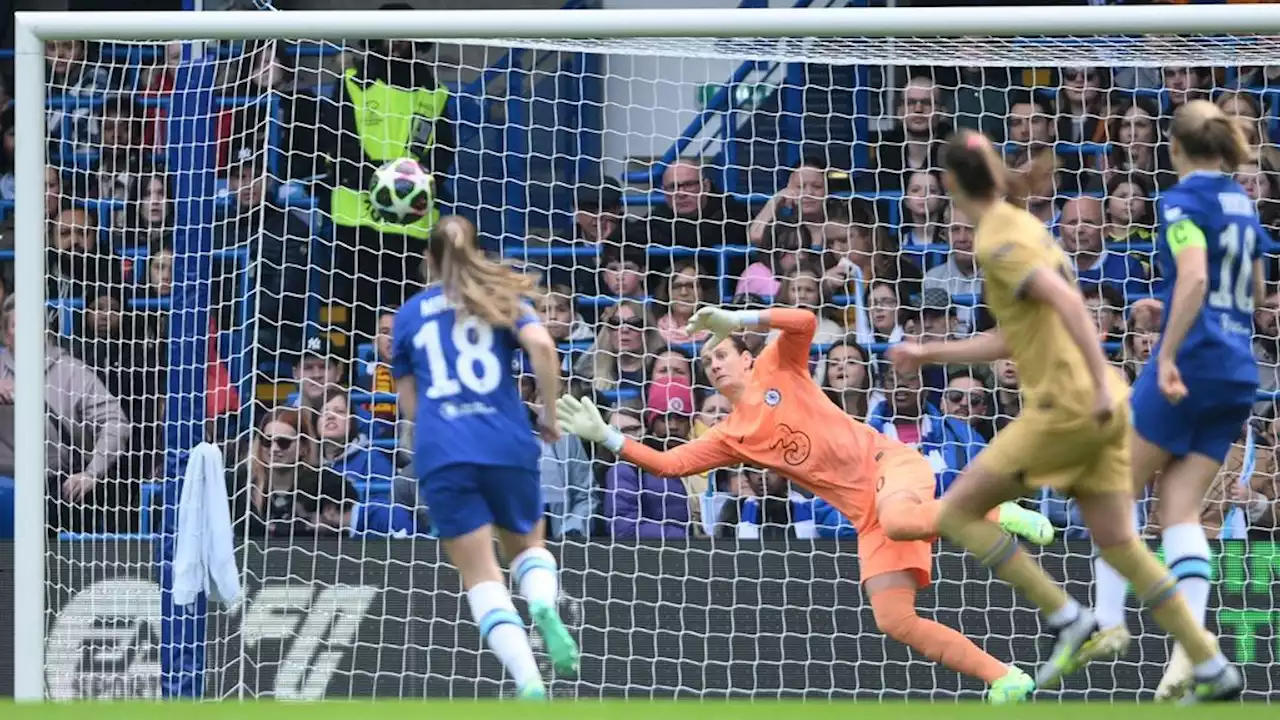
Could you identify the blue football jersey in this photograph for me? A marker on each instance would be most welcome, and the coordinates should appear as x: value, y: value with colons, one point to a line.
x: 1219, y: 345
x: 469, y: 406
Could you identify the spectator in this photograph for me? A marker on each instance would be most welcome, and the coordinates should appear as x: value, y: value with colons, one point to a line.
x: 1244, y: 107
x: 682, y: 295
x: 938, y: 319
x: 70, y: 77
x: 1006, y: 400
x: 802, y: 288
x: 563, y: 321
x: 622, y: 271
x: 159, y: 281
x: 1136, y: 148
x: 53, y: 193
x: 7, y: 136
x: 281, y: 240
x: 1106, y: 306
x: 846, y: 378
x: 1183, y: 84
x: 1259, y: 502
x: 693, y: 214
x: 967, y: 399
x: 335, y: 507
x: 88, y: 433
x: 762, y: 505
x: 598, y: 212
x: 1261, y: 180
x: 1083, y: 106
x: 1081, y: 235
x: 273, y: 487
x: 148, y: 212
x: 1266, y: 347
x: 1030, y: 129
x: 76, y: 269
x: 114, y: 341
x: 858, y: 249
x: 959, y: 275
x: 626, y: 334
x: 922, y: 207
x: 1142, y: 332
x: 568, y: 489
x: 713, y: 408
x: 558, y: 314
x: 884, y: 312
x: 120, y: 158
x: 641, y: 506
x: 780, y: 246
x: 800, y: 204
x: 915, y: 143
x: 378, y: 262
x: 669, y: 365
x: 904, y: 415
x: 376, y: 377
x: 318, y: 372
x: 1130, y: 210
x: 344, y: 450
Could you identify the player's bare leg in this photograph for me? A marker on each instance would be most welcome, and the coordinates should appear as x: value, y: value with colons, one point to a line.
x: 491, y: 608
x: 534, y: 570
x: 1110, y: 587
x: 962, y: 521
x: 1183, y: 485
x: 1106, y: 515
x: 893, y: 603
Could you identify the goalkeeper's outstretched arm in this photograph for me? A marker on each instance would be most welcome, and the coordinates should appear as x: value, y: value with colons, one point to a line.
x: 581, y: 418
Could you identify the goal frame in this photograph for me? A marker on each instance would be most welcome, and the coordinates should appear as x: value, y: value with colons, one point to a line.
x: 32, y: 30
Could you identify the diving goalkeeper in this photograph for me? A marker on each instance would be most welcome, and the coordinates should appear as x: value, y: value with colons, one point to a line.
x: 781, y: 420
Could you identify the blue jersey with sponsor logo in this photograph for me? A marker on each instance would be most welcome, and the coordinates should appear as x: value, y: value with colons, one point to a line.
x: 1219, y: 345
x: 469, y: 406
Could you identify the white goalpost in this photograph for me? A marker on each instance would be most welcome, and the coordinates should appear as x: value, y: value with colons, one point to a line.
x: 224, y: 146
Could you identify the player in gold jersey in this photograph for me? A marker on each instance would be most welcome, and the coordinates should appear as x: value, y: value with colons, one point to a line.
x: 1072, y: 435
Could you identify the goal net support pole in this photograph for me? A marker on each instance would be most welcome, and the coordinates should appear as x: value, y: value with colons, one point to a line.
x: 941, y: 36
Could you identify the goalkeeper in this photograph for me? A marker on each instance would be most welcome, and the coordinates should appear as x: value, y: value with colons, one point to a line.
x: 782, y: 421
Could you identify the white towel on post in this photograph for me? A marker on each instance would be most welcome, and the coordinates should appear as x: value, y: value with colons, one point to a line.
x: 204, y: 552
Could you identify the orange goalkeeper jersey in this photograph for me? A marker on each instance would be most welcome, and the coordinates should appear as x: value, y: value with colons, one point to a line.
x: 784, y: 422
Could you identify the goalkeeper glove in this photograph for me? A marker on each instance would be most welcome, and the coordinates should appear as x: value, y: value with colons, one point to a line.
x: 722, y: 323
x: 581, y: 418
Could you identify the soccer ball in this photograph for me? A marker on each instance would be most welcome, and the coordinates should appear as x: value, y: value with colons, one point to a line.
x: 402, y: 192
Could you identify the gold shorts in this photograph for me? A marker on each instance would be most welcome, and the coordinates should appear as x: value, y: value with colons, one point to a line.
x: 1069, y: 453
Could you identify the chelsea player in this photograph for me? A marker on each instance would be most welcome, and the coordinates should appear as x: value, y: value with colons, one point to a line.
x: 474, y: 449
x: 1189, y: 405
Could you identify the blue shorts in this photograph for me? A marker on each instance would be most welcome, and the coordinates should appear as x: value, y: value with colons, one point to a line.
x: 465, y: 497
x: 1207, y: 422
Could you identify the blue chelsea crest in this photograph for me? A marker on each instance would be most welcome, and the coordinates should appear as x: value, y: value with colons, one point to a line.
x: 772, y: 397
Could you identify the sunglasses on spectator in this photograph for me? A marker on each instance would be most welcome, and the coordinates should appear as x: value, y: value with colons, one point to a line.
x: 279, y: 441
x: 628, y: 322
x: 959, y: 396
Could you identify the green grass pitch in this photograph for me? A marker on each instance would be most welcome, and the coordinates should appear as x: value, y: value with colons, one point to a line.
x: 623, y: 710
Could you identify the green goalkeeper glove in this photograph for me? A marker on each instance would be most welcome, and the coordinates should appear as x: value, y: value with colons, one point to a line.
x: 581, y: 418
x: 722, y: 323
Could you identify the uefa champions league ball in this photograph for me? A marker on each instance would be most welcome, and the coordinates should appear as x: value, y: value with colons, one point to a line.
x: 402, y: 191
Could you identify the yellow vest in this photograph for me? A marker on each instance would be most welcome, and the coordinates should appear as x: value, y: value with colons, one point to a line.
x: 386, y: 119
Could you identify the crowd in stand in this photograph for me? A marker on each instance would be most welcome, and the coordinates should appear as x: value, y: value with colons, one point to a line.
x: 877, y: 252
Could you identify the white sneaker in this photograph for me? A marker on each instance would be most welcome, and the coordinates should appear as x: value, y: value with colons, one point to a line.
x: 1110, y: 642
x: 1177, y: 676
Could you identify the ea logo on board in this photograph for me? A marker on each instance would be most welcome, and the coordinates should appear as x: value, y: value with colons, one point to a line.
x: 772, y: 397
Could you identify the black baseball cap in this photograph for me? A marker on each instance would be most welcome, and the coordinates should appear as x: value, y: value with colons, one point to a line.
x: 606, y: 197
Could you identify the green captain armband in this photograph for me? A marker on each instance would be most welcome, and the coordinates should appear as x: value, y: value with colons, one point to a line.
x: 1184, y: 234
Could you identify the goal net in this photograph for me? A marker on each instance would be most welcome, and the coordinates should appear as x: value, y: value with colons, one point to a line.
x: 214, y: 273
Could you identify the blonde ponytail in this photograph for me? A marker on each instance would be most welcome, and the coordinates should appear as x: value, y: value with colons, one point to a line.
x: 486, y: 289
